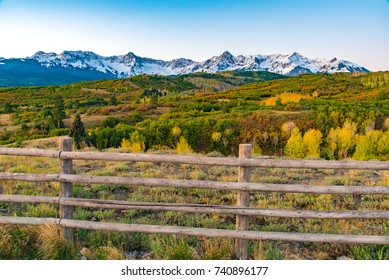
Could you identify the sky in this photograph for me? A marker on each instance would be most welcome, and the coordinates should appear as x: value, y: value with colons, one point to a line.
x: 355, y: 30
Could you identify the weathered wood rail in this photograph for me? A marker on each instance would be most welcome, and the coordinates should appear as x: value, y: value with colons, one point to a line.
x: 66, y: 201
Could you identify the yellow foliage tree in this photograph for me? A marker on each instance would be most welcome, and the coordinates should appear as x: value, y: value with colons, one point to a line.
x: 372, y: 145
x: 295, y: 147
x: 386, y: 124
x: 312, y: 140
x: 332, y: 144
x: 383, y: 145
x: 341, y: 141
x: 183, y: 147
x: 136, y: 143
x: 347, y: 137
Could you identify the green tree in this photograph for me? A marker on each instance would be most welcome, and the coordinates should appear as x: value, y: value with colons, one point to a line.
x: 106, y: 137
x: 278, y: 103
x: 8, y: 108
x: 58, y: 111
x: 77, y: 132
x: 113, y: 100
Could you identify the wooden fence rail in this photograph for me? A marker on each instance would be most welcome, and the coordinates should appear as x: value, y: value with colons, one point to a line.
x: 194, y: 184
x: 67, y: 202
x: 196, y: 208
x: 247, y: 235
x: 199, y: 160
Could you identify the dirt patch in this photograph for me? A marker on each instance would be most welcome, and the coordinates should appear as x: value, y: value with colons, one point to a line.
x: 5, y: 120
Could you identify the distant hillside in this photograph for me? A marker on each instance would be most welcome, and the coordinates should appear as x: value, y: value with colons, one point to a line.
x: 213, y: 112
x: 128, y: 89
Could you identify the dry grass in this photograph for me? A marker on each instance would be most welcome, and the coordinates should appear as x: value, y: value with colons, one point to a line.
x: 52, y: 245
x: 5, y: 119
x: 17, y: 242
x: 113, y: 245
x: 45, y: 143
x: 108, y: 252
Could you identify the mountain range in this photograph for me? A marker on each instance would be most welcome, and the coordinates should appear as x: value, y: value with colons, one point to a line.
x: 73, y: 66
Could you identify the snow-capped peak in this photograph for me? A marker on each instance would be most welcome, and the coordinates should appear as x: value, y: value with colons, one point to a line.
x: 131, y: 64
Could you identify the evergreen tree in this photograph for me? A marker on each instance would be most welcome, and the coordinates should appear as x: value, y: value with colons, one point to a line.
x: 278, y: 103
x: 77, y: 132
x: 113, y: 100
x: 8, y: 108
x: 58, y: 111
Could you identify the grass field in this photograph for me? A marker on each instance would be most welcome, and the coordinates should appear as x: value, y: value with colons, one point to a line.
x: 46, y: 243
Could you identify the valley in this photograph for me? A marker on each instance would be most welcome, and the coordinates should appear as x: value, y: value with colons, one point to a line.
x: 341, y: 116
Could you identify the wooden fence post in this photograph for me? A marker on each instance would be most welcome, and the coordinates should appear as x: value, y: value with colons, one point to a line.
x: 243, y: 199
x: 66, y: 167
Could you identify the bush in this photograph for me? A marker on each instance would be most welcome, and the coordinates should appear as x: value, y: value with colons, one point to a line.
x: 136, y: 144
x: 59, y: 132
x: 183, y: 147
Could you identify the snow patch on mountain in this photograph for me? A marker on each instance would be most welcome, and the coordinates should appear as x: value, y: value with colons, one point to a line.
x: 130, y: 64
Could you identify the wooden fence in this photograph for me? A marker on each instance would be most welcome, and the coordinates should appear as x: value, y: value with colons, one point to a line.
x: 66, y: 201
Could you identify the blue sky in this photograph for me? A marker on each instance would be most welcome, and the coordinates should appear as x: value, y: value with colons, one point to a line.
x: 356, y: 30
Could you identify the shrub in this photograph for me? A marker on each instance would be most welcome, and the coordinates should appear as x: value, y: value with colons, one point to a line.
x: 183, y: 147
x: 136, y: 144
x: 18, y: 242
x: 59, y: 132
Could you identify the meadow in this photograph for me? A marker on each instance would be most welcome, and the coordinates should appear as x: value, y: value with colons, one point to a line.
x: 208, y: 115
x: 46, y: 242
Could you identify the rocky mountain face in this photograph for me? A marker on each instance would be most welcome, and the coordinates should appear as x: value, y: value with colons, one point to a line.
x: 72, y: 66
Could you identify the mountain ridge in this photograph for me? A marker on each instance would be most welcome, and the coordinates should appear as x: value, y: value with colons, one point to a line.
x: 73, y: 66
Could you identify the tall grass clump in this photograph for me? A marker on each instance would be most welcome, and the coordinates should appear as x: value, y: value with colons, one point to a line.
x: 18, y: 242
x: 106, y: 252
x: 172, y: 247
x: 217, y: 249
x: 53, y: 246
